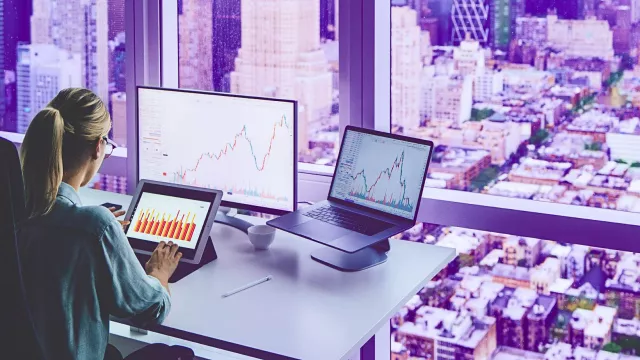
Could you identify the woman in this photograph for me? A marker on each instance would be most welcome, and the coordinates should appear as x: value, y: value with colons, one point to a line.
x: 78, y: 266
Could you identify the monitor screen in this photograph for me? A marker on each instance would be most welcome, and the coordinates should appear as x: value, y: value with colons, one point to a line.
x: 381, y: 173
x: 244, y: 146
x: 167, y: 218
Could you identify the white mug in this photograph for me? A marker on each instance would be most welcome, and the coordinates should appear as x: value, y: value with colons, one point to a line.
x: 261, y: 236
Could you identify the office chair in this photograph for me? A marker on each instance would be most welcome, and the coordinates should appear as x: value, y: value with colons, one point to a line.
x: 17, y: 334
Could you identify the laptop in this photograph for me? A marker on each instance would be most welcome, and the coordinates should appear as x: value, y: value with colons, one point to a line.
x: 375, y: 192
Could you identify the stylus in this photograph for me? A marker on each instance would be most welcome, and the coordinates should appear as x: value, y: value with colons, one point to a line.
x: 257, y: 282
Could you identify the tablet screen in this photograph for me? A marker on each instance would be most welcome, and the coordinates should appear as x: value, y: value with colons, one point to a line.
x: 168, y: 212
x: 167, y: 218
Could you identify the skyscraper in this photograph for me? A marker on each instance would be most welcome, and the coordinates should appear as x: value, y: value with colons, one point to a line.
x: 406, y: 66
x: 195, y: 39
x: 118, y: 65
x: 119, y: 118
x: 43, y: 69
x: 82, y: 29
x: 503, y: 15
x: 441, y: 10
x: 281, y: 57
x: 470, y: 17
x: 14, y: 28
x: 226, y: 41
x: 500, y: 23
x: 327, y: 19
x: 116, y: 17
x: 41, y: 22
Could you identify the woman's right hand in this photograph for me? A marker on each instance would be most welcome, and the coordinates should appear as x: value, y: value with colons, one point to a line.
x: 163, y: 262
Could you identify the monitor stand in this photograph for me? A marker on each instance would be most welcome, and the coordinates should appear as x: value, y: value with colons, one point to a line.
x: 242, y: 225
x: 359, y: 260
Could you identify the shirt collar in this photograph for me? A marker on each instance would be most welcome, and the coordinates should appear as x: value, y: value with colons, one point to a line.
x: 67, y: 191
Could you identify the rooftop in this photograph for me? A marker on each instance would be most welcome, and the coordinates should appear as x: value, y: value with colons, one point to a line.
x: 541, y: 169
x: 510, y: 271
x: 594, y: 121
x: 451, y: 326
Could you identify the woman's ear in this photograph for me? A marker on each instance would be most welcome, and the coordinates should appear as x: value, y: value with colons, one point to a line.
x: 95, y: 153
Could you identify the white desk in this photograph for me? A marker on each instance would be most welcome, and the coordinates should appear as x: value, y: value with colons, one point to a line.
x: 308, y: 310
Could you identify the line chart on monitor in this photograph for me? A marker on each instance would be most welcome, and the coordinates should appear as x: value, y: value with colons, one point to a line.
x: 243, y: 147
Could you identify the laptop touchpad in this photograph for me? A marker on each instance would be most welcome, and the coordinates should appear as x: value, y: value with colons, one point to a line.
x: 320, y: 231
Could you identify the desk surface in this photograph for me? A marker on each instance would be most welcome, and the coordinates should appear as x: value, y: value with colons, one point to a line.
x: 308, y: 310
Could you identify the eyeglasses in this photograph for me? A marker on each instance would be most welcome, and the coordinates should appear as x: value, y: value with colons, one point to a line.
x: 110, y: 146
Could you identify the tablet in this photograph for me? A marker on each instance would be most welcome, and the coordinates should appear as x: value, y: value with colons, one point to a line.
x: 170, y: 212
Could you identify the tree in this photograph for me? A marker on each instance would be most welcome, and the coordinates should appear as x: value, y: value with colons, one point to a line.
x: 620, y: 161
x: 595, y: 146
x: 479, y: 115
x: 539, y: 137
x: 612, y: 348
x: 635, y: 164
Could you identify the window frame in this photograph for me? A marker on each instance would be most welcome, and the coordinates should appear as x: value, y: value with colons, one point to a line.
x: 365, y: 101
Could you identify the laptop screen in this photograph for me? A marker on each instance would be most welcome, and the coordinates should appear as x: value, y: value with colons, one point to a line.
x: 381, y: 173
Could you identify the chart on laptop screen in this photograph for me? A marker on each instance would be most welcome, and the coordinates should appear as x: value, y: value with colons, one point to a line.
x: 381, y: 173
x: 244, y: 147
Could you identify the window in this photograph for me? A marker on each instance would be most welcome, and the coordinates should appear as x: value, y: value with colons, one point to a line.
x: 49, y: 45
x: 522, y: 101
x: 593, y: 287
x: 268, y: 48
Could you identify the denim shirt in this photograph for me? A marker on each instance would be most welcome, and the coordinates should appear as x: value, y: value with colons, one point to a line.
x: 78, y: 270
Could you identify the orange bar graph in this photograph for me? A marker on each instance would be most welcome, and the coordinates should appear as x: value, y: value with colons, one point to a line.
x: 173, y: 225
x: 136, y: 226
x: 156, y: 223
x: 185, y: 228
x: 162, y: 225
x: 181, y: 227
x: 191, y: 228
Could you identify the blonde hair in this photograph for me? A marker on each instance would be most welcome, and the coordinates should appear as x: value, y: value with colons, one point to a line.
x: 57, y: 139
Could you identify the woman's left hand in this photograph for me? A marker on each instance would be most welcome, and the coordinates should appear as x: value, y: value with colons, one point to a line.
x: 117, y: 214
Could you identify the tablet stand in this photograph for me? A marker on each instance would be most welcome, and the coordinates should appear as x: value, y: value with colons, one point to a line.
x: 183, y: 268
x: 242, y: 225
x: 362, y: 259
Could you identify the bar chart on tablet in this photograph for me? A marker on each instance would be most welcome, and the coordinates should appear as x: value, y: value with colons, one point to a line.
x: 166, y: 218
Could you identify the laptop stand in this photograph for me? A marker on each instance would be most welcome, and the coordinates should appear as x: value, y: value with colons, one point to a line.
x: 362, y: 259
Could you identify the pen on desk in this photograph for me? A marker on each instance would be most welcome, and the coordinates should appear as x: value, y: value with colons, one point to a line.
x: 250, y: 285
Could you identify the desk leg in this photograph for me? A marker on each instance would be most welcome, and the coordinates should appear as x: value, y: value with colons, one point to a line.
x: 368, y: 350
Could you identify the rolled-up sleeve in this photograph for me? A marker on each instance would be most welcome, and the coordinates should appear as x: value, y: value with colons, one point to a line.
x: 131, y: 292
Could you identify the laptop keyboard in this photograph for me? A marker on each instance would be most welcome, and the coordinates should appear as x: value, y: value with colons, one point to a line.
x: 348, y: 220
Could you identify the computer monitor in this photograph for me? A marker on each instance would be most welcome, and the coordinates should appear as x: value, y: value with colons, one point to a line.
x: 244, y: 146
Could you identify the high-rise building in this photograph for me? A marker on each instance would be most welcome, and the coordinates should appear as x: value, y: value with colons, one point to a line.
x: 226, y: 41
x: 327, y: 19
x: 448, y: 100
x: 41, y: 22
x: 470, y: 18
x: 281, y: 57
x: 442, y: 10
x: 118, y: 64
x: 195, y: 44
x: 119, y: 118
x: 500, y: 23
x: 488, y: 84
x: 42, y: 70
x: 532, y: 30
x: 406, y: 65
x: 502, y: 19
x: 581, y: 38
x: 79, y: 27
x: 116, y: 17
x: 14, y: 29
x: 469, y: 57
x: 566, y: 9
